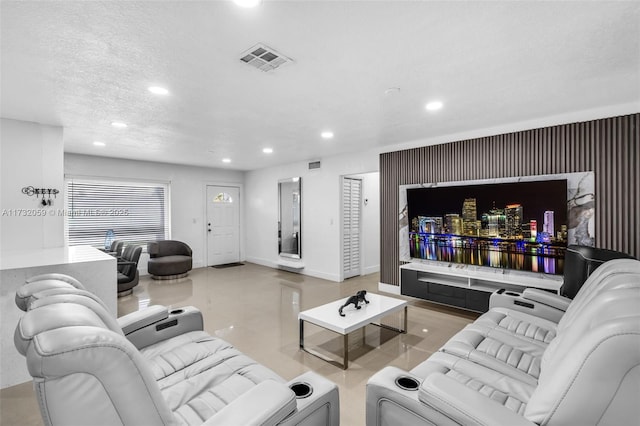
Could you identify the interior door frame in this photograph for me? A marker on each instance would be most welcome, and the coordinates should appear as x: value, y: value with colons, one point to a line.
x: 240, y: 187
x: 342, y: 178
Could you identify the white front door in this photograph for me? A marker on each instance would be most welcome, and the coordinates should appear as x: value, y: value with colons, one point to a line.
x: 223, y: 225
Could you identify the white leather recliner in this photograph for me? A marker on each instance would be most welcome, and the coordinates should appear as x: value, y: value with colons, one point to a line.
x: 577, y: 366
x: 152, y: 367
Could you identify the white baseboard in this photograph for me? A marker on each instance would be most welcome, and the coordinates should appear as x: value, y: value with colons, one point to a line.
x: 305, y: 271
x: 323, y: 275
x: 371, y: 270
x: 388, y: 288
x: 262, y: 262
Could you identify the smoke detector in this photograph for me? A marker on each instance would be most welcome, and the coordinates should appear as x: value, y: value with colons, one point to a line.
x: 264, y: 58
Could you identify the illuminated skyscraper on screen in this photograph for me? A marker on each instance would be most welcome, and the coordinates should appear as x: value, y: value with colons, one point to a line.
x: 533, y: 225
x: 548, y: 225
x: 453, y: 223
x: 430, y: 225
x: 513, y: 220
x: 470, y: 216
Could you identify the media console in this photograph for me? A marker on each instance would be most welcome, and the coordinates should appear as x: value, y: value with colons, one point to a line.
x: 465, y: 286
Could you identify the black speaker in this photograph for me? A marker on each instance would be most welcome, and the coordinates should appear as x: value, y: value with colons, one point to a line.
x: 580, y: 262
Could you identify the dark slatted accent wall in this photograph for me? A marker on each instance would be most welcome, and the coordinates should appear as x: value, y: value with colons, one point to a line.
x: 610, y: 147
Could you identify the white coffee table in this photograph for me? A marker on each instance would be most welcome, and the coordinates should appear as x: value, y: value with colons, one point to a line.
x: 327, y: 316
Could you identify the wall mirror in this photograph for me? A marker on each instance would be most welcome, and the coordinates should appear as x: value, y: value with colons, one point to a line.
x: 289, y: 218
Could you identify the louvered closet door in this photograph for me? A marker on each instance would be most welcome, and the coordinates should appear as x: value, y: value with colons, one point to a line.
x: 351, y: 226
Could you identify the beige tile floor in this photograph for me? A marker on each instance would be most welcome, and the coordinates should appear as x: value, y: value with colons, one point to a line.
x: 255, y: 308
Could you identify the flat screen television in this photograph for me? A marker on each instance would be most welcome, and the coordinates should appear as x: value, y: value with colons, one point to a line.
x: 513, y: 225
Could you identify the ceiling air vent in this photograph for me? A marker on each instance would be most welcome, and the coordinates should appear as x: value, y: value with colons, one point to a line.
x: 264, y: 58
x: 314, y: 165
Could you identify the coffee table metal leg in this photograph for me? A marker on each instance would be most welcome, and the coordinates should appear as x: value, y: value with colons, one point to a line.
x: 319, y: 355
x: 346, y: 352
x: 302, y: 334
x: 405, y: 320
x: 398, y: 330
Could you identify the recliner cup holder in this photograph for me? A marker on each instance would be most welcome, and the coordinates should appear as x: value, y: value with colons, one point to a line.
x: 407, y: 383
x: 176, y: 311
x: 301, y: 389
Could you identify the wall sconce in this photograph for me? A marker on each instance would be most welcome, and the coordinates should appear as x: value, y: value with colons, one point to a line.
x: 30, y: 191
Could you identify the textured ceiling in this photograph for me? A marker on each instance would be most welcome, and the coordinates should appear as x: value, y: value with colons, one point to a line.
x: 82, y: 65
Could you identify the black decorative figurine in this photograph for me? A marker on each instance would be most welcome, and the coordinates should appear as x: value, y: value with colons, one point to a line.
x: 356, y: 300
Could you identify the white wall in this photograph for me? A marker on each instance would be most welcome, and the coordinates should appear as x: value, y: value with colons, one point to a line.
x: 31, y: 155
x: 188, y: 192
x: 320, y: 211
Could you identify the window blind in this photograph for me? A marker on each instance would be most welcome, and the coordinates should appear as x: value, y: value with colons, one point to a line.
x: 135, y: 211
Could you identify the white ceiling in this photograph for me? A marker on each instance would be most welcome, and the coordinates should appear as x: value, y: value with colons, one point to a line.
x: 82, y: 65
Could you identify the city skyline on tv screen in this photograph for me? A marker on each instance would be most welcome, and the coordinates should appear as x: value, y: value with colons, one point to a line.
x: 536, y: 198
x: 518, y: 225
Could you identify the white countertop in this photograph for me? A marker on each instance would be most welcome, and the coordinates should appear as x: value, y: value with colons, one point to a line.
x: 327, y: 315
x: 96, y: 270
x: 28, y: 258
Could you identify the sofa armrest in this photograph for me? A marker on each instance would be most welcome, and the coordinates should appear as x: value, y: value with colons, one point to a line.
x: 320, y: 405
x: 546, y: 298
x: 267, y: 403
x: 140, y: 319
x: 464, y: 405
x: 176, y: 322
x: 536, y: 302
x: 389, y: 404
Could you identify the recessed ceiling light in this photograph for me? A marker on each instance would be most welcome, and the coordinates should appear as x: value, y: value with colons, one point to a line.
x: 247, y: 3
x: 226, y: 160
x: 119, y: 124
x: 267, y: 150
x: 98, y: 143
x: 433, y: 106
x: 327, y: 135
x: 157, y: 90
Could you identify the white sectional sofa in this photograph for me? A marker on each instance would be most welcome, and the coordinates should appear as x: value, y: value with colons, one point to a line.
x: 546, y: 360
x: 152, y: 367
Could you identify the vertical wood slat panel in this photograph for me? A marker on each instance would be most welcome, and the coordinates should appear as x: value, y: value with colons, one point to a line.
x: 608, y: 147
x: 634, y: 192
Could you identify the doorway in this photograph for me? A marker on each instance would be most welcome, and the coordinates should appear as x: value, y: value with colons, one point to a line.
x: 351, y: 227
x: 359, y: 224
x: 223, y: 225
